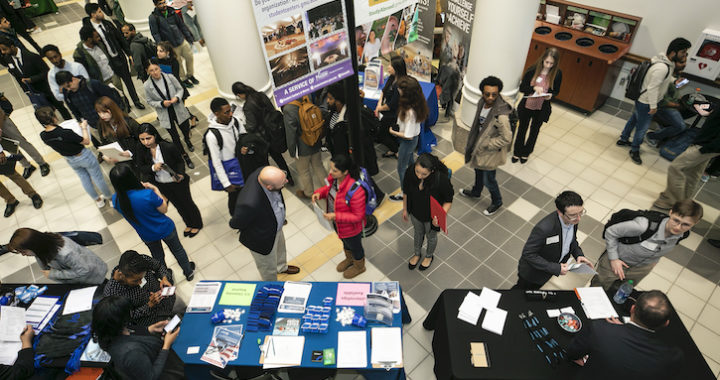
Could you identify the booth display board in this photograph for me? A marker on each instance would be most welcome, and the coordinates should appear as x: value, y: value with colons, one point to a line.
x: 459, y: 17
x: 305, y: 44
x: 418, y: 55
x: 387, y: 33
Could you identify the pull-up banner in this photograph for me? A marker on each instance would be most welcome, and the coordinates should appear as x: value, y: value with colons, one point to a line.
x: 305, y: 43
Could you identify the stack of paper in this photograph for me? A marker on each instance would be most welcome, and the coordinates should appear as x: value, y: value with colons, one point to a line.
x: 386, y: 351
x: 41, y: 311
x: 79, y: 300
x: 12, y: 323
x: 581, y: 268
x: 224, y: 346
x: 595, y: 303
x: 203, y: 297
x: 113, y: 150
x: 352, y: 349
x: 494, y: 320
x: 470, y: 309
x: 294, y: 297
x: 283, y: 351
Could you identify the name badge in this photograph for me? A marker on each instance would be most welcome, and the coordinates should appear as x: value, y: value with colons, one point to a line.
x: 538, y: 80
x: 10, y: 65
x: 552, y: 239
x: 649, y: 245
x: 143, y: 282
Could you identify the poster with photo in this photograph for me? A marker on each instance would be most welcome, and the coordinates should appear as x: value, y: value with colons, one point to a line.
x: 457, y: 31
x: 306, y: 45
x: 386, y: 34
x: 367, y: 11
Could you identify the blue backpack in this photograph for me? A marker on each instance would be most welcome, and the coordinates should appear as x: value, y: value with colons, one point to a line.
x: 365, y: 181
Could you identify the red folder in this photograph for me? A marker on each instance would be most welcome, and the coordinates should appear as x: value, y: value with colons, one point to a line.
x: 437, y: 211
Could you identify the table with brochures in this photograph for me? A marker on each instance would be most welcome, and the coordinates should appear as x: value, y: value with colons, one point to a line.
x: 452, y: 339
x: 197, y: 330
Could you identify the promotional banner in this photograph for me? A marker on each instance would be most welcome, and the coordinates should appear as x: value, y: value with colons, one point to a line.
x: 418, y: 55
x: 386, y: 34
x: 457, y: 32
x: 367, y: 11
x: 305, y: 44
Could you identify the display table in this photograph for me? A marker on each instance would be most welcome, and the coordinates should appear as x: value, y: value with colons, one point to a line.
x: 512, y: 356
x: 197, y: 330
x: 40, y: 7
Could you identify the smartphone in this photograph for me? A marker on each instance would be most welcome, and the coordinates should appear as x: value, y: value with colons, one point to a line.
x: 173, y: 324
x: 683, y: 82
x: 167, y: 291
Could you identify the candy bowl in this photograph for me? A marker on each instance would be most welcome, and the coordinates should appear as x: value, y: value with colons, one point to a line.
x: 569, y: 322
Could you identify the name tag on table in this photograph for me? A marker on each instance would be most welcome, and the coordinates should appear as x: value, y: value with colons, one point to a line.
x: 649, y: 245
x: 552, y: 239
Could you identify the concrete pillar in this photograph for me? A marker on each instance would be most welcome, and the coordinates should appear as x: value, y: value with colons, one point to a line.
x: 233, y: 44
x: 136, y: 13
x: 500, y: 39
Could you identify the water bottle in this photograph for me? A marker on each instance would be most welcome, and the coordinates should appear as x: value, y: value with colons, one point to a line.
x: 623, y: 292
x: 693, y: 97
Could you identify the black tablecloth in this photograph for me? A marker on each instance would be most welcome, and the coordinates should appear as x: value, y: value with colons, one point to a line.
x: 512, y: 355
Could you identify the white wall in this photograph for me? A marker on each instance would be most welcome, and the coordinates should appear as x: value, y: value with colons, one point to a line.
x: 664, y: 20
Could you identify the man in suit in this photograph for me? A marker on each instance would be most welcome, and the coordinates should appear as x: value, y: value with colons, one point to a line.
x: 551, y: 243
x: 613, y: 350
x: 30, y: 71
x: 116, y: 46
x: 260, y: 215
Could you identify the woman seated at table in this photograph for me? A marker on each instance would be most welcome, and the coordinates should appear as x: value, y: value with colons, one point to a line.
x: 137, y: 352
x: 60, y: 258
x: 388, y: 106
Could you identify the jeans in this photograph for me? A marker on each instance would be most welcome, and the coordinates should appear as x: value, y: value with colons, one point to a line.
x: 191, y: 23
x: 405, y: 156
x: 423, y: 229
x: 87, y: 168
x: 354, y: 245
x: 672, y: 122
x: 640, y: 121
x: 173, y: 242
x: 487, y: 178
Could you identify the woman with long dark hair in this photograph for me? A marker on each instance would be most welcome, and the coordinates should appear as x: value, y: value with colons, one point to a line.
x: 412, y: 111
x: 164, y: 92
x: 60, y: 258
x: 160, y: 163
x: 348, y: 217
x: 428, y: 178
x: 138, y: 352
x: 255, y: 106
x: 544, y: 77
x: 116, y: 126
x: 388, y: 106
x: 144, y: 207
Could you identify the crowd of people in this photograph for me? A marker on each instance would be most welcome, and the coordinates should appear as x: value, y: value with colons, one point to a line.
x: 241, y: 137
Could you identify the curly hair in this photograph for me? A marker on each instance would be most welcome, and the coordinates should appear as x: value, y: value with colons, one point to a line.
x: 412, y: 98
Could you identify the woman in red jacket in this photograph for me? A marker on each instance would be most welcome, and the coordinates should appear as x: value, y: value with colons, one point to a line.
x: 348, y: 216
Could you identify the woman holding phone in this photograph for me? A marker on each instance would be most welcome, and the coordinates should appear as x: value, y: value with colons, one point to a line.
x: 160, y: 163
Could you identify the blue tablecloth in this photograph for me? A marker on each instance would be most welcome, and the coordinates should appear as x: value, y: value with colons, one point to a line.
x: 196, y: 330
x: 427, y: 139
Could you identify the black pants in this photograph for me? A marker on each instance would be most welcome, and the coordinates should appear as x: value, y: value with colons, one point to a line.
x: 179, y: 195
x: 384, y: 137
x: 60, y: 106
x: 280, y: 161
x: 184, y: 127
x: 232, y: 201
x: 354, y: 245
x: 120, y: 67
x: 526, y: 285
x: 29, y: 39
x: 523, y: 148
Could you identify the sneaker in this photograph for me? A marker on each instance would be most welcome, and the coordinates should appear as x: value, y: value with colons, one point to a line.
x: 192, y: 272
x: 622, y: 142
x: 193, y: 80
x: 705, y: 178
x: 468, y: 193
x: 397, y: 197
x: 492, y: 209
x: 44, y: 169
x: 36, y: 201
x: 100, y: 202
x: 635, y: 157
x: 651, y: 142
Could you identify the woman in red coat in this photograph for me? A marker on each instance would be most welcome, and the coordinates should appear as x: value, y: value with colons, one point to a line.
x: 348, y: 216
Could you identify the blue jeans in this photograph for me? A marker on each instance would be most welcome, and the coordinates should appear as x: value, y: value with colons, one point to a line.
x: 672, y: 122
x: 640, y: 121
x: 173, y: 242
x: 486, y: 178
x: 88, y: 169
x: 405, y: 156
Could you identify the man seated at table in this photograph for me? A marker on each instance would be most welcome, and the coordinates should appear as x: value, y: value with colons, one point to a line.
x: 140, y: 279
x: 23, y: 367
x: 627, y: 257
x: 551, y: 243
x: 613, y: 350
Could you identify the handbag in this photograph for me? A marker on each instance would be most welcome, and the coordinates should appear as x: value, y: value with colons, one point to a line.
x: 233, y: 171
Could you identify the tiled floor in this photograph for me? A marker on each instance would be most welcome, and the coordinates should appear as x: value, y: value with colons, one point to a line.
x: 574, y: 151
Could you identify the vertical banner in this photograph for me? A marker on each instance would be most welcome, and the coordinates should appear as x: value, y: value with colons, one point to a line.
x: 456, y: 34
x: 384, y: 26
x: 418, y: 54
x: 305, y: 44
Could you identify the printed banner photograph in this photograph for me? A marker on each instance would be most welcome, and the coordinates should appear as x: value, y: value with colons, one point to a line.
x: 306, y: 45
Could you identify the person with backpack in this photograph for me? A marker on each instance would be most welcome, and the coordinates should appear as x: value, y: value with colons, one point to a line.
x: 636, y: 240
x: 428, y: 178
x: 166, y: 25
x: 262, y: 118
x: 304, y: 129
x: 347, y: 215
x: 668, y: 116
x: 141, y: 49
x: 648, y: 91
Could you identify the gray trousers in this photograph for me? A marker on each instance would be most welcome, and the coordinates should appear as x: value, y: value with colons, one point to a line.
x: 274, y: 262
x: 684, y: 176
x: 421, y: 231
x: 310, y: 179
x: 606, y: 278
x: 11, y: 131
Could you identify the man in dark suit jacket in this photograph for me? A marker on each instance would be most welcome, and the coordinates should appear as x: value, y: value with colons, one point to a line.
x: 260, y: 215
x: 30, y: 71
x: 551, y: 243
x: 613, y: 350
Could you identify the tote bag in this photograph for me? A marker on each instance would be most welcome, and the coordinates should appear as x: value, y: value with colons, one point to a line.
x: 232, y: 169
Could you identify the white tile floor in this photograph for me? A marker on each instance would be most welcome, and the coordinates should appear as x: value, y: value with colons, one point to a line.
x: 574, y: 151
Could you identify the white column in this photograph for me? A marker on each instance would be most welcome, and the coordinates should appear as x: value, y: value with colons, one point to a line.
x: 137, y: 12
x: 500, y: 39
x: 233, y: 44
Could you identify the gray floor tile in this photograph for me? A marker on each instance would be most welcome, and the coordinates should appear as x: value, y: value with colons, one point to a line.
x: 537, y: 197
x: 706, y: 250
x: 516, y: 185
x: 502, y: 263
x: 444, y: 277
x: 403, y: 246
x: 387, y: 260
x: 682, y: 255
x: 458, y: 232
x: 495, y: 234
x: 372, y: 245
x: 484, y: 276
x: 466, y: 285
x: 407, y: 278
x: 509, y: 221
x: 473, y: 219
x: 513, y: 247
x: 107, y: 251
x: 705, y: 267
x: 425, y: 293
x: 592, y: 248
x: 590, y: 226
x: 524, y: 232
x: 463, y: 262
x: 465, y: 176
x: 480, y: 244
x: 389, y: 183
x: 20, y: 277
x: 388, y: 232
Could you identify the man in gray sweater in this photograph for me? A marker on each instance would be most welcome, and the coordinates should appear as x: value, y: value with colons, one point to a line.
x: 622, y: 262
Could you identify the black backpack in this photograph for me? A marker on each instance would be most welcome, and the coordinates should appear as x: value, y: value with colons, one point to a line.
x: 637, y: 76
x: 654, y: 219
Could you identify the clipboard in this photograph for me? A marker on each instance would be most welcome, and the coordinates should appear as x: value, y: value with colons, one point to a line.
x: 437, y: 211
x: 9, y: 145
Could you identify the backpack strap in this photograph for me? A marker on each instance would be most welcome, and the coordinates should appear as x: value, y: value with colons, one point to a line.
x: 218, y: 137
x: 654, y: 219
x: 351, y: 192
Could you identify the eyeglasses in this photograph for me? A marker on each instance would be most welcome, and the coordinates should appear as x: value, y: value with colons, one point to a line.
x: 680, y: 222
x: 576, y: 216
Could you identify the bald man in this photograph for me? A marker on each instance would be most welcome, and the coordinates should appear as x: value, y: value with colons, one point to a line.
x: 260, y: 215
